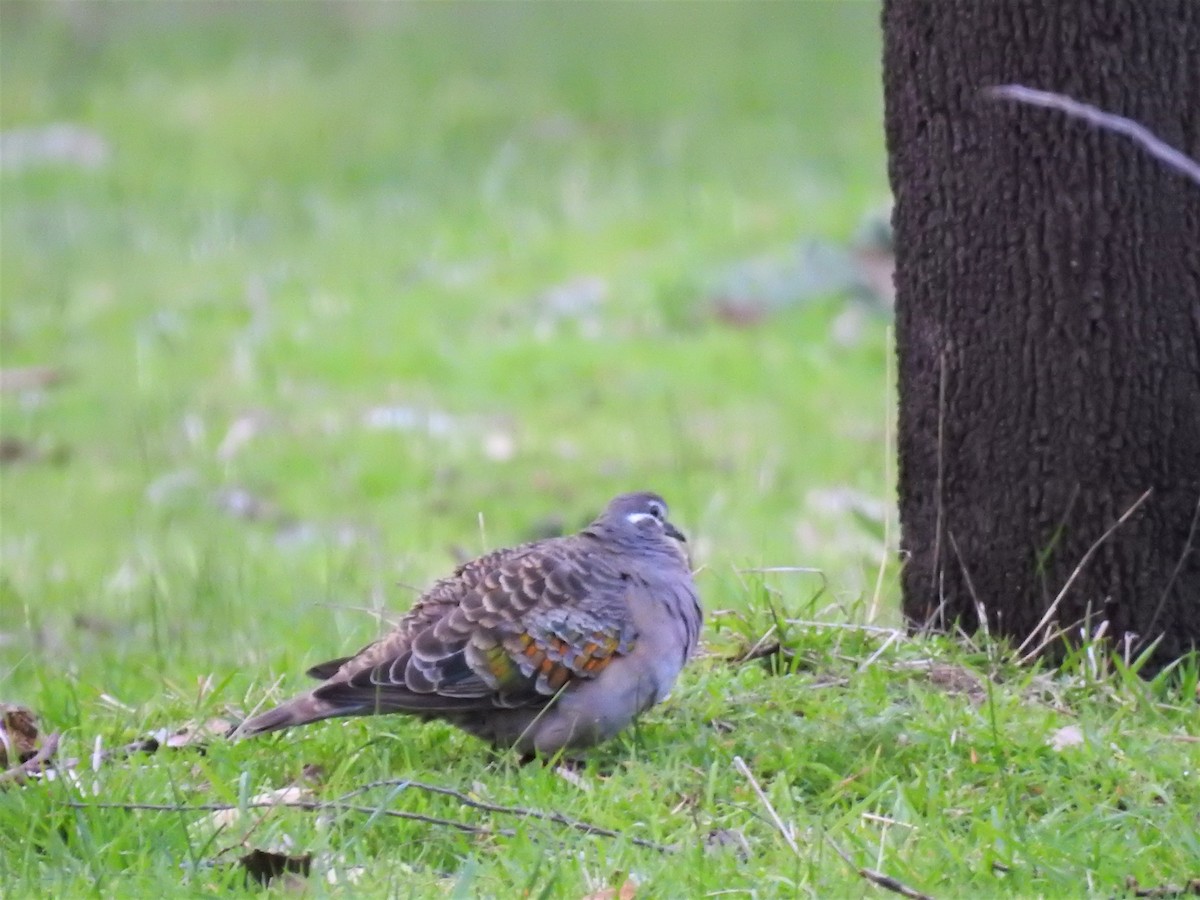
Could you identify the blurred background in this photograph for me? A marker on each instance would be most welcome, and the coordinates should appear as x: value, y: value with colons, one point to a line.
x: 300, y: 303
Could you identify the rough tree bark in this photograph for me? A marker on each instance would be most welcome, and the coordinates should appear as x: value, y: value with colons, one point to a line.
x: 1047, y: 317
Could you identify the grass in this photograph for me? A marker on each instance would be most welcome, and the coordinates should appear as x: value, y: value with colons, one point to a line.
x: 307, y: 353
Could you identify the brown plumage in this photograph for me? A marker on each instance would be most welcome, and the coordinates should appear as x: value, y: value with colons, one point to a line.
x: 554, y: 644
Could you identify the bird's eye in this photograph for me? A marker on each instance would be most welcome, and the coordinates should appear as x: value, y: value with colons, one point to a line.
x: 657, y: 510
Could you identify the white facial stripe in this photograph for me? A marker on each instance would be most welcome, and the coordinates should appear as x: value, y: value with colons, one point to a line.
x: 634, y: 518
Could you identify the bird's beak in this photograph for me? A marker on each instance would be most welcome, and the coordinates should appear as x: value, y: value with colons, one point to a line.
x: 674, y: 532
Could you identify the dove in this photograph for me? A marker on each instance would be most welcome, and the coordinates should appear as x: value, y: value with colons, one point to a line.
x: 553, y: 645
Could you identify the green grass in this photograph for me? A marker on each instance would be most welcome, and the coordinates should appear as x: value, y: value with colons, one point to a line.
x: 312, y: 215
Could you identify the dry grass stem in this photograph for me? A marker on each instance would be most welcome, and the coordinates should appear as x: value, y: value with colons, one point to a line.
x: 1091, y: 551
x: 784, y: 829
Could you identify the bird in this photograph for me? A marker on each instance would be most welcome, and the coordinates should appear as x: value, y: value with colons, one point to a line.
x: 554, y: 645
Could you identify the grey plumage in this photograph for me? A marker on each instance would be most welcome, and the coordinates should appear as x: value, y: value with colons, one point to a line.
x: 555, y: 644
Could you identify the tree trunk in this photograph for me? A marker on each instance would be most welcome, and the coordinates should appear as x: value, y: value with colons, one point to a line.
x: 1047, y: 318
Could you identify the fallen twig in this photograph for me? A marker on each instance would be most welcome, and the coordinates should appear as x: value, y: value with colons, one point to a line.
x: 1192, y: 888
x: 307, y: 805
x: 21, y: 771
x: 1135, y: 131
x: 759, y: 651
x: 341, y: 805
x: 887, y: 882
x: 521, y: 811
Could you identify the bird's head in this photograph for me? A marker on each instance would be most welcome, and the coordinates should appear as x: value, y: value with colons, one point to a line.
x: 635, y: 518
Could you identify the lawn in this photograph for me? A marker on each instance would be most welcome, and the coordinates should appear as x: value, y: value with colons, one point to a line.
x: 316, y: 299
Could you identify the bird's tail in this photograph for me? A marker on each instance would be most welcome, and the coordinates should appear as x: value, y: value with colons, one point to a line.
x: 298, y: 711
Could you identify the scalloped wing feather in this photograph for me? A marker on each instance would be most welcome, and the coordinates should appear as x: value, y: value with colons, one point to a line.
x: 509, y: 629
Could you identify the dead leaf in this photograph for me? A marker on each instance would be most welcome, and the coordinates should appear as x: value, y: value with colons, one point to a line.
x: 192, y: 735
x: 264, y: 866
x: 958, y: 680
x: 627, y: 891
x: 1067, y: 736
x: 258, y: 804
x: 149, y: 744
x: 18, y: 734
x: 34, y: 765
x: 197, y: 734
x: 724, y: 840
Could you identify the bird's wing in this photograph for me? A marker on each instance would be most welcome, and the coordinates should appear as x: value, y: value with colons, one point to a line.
x: 510, y: 629
x: 438, y: 601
